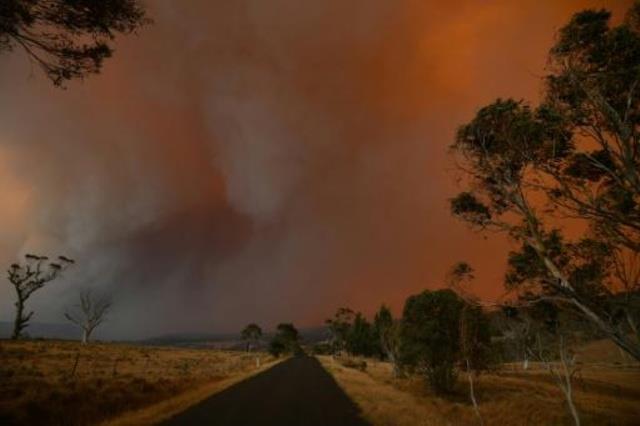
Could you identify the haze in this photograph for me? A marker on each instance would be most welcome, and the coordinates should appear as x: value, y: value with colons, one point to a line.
x: 262, y: 161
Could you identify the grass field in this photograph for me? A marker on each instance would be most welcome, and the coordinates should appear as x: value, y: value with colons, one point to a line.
x: 607, y: 393
x: 65, y: 383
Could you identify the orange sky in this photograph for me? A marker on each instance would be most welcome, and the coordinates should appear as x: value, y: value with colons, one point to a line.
x: 264, y: 161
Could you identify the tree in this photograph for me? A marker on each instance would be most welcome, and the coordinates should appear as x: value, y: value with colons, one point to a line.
x: 516, y: 330
x: 526, y: 167
x: 67, y: 38
x: 593, y: 87
x: 89, y: 313
x: 251, y: 334
x: 388, y: 332
x: 360, y: 338
x: 475, y: 339
x: 286, y: 340
x: 28, y: 277
x: 339, y: 327
x: 626, y: 270
x: 431, y: 336
x: 550, y: 335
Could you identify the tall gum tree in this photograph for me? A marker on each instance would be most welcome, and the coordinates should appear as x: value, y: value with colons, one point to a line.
x: 576, y: 155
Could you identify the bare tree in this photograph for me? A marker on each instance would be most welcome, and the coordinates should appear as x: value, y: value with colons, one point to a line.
x: 470, y: 344
x: 562, y: 371
x: 89, y: 313
x: 28, y: 277
x: 473, y: 328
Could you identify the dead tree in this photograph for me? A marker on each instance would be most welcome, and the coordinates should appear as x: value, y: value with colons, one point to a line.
x: 562, y: 372
x: 28, y: 277
x: 89, y: 313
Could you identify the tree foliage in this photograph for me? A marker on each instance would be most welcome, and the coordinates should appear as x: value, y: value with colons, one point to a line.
x: 251, y: 334
x: 285, y: 341
x: 28, y: 277
x: 67, y: 38
x: 339, y: 327
x: 528, y: 166
x: 361, y: 339
x: 431, y: 336
x: 387, y: 331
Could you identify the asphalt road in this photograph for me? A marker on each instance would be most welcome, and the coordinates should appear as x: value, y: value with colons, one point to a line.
x: 296, y: 392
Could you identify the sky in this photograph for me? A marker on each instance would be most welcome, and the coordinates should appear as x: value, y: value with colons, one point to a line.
x: 255, y: 161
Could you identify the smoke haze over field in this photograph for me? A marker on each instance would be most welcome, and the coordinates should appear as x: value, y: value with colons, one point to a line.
x: 262, y: 161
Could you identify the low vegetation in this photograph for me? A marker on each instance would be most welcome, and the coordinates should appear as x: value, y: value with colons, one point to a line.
x: 67, y: 383
x: 606, y: 393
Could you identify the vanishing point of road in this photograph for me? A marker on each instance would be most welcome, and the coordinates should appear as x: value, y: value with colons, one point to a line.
x: 296, y: 392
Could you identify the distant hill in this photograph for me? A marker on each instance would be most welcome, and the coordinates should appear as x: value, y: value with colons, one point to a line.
x: 231, y: 341
x: 195, y: 340
x: 42, y: 330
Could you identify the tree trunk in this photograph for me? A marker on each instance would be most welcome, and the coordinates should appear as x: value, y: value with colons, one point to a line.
x: 397, y: 372
x: 17, y: 325
x: 632, y: 324
x: 472, y: 393
x: 525, y: 363
x: 572, y: 407
x: 536, y: 242
x: 622, y: 341
x: 85, y: 336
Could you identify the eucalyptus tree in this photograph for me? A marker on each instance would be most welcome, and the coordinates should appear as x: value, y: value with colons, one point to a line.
x: 67, y: 39
x: 387, y: 329
x: 29, y: 276
x: 251, y: 334
x: 574, y: 156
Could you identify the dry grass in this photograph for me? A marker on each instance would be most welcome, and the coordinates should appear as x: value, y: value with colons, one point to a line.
x: 382, y: 403
x: 38, y: 383
x: 606, y: 394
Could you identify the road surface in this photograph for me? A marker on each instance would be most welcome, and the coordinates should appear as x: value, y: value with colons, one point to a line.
x: 296, y: 392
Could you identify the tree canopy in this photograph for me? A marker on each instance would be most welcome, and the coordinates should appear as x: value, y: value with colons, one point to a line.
x: 67, y: 38
x: 574, y: 156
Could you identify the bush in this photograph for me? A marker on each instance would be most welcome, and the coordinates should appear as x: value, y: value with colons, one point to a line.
x: 431, y: 336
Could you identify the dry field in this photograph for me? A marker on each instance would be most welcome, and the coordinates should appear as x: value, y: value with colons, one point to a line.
x: 41, y: 382
x: 606, y: 394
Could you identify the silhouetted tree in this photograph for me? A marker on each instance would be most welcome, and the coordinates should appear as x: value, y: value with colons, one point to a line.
x: 251, y: 334
x: 67, y: 38
x: 286, y: 340
x: 518, y: 158
x: 339, y: 327
x: 387, y: 331
x: 89, y: 313
x: 431, y: 336
x: 28, y: 277
x: 360, y: 337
